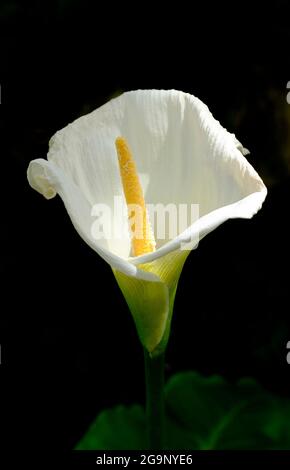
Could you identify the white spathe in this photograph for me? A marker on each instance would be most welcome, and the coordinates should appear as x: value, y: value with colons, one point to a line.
x: 183, y: 155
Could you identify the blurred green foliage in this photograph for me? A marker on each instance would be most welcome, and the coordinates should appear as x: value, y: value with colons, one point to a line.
x: 201, y: 414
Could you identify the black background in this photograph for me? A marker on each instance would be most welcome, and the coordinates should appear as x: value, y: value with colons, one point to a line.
x: 69, y: 346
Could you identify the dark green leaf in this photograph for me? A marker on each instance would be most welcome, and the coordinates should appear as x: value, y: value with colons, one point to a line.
x: 202, y: 413
x: 120, y: 428
x: 214, y: 414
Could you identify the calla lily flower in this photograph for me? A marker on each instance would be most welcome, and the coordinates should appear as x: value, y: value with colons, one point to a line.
x: 183, y: 155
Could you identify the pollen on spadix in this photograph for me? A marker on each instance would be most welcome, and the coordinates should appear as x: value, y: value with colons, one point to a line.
x: 142, y: 236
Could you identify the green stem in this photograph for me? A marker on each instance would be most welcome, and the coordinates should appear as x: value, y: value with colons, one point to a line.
x: 154, y: 374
